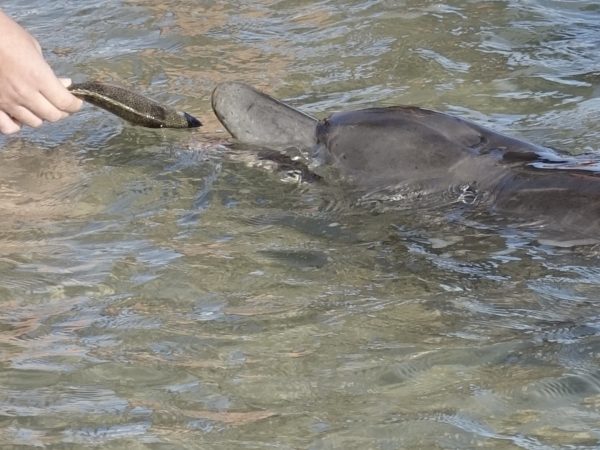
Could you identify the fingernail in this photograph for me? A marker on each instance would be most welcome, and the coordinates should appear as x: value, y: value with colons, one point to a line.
x: 66, y: 82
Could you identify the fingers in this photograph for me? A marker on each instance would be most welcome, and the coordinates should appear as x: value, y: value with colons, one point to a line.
x: 66, y: 82
x: 33, y: 110
x: 56, y: 93
x: 45, y: 109
x: 8, y: 125
x: 29, y: 90
x: 37, y: 45
x: 24, y: 116
x: 41, y: 110
x: 53, y: 103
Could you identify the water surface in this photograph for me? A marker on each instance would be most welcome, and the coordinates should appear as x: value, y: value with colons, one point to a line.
x: 158, y: 291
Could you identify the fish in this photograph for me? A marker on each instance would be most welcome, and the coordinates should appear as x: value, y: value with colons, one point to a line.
x: 133, y: 107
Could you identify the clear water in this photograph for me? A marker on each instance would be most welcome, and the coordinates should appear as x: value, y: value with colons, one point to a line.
x: 157, y: 293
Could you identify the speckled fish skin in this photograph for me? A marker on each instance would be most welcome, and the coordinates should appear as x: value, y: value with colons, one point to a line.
x: 133, y: 107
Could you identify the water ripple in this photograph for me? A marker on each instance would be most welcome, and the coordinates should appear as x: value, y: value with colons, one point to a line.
x: 162, y: 288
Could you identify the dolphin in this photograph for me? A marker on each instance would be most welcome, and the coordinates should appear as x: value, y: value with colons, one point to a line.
x: 384, y: 150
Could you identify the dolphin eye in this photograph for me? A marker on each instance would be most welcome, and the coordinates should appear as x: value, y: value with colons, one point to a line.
x: 493, y: 150
x: 482, y: 141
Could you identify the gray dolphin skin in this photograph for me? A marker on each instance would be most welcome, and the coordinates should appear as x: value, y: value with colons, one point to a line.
x: 133, y: 107
x: 386, y: 149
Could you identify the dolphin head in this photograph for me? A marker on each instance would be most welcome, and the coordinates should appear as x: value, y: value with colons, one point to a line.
x: 258, y: 119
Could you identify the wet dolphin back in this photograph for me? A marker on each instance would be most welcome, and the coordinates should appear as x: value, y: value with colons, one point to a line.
x: 384, y: 146
x: 258, y: 119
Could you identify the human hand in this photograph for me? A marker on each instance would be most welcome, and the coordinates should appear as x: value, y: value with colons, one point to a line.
x: 29, y: 91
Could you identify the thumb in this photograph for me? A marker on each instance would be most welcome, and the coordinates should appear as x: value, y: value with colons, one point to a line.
x: 37, y: 45
x: 66, y: 82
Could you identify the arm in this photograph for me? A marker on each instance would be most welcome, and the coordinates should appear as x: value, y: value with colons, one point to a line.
x: 29, y: 91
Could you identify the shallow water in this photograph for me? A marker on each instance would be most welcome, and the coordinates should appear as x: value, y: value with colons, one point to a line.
x: 159, y: 292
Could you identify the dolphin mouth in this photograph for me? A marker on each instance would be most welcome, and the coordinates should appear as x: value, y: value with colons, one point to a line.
x: 255, y: 118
